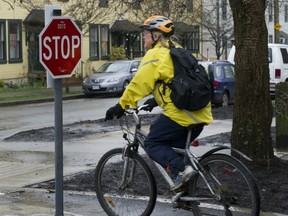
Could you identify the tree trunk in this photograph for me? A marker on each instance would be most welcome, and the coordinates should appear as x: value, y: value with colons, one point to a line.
x: 252, y: 114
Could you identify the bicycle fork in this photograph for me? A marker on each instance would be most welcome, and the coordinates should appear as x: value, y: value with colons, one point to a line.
x: 128, y: 172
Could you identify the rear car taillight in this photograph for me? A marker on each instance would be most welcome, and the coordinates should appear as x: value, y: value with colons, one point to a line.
x: 277, y: 73
x: 216, y: 84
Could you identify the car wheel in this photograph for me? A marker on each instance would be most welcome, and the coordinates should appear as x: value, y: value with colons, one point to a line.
x: 225, y: 100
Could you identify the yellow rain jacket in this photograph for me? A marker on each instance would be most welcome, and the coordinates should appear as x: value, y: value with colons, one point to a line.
x: 157, y: 65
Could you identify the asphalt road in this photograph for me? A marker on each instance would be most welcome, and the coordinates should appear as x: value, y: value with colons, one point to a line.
x: 18, y: 118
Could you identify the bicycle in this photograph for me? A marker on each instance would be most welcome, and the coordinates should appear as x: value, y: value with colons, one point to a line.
x: 224, y: 185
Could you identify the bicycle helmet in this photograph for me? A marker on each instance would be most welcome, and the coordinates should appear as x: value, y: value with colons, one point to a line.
x: 159, y: 23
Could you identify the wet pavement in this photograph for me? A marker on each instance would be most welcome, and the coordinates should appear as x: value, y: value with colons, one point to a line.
x: 26, y: 163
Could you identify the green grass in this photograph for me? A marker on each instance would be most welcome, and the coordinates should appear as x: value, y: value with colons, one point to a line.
x: 31, y: 85
x: 23, y: 97
x: 26, y: 93
x: 17, y: 89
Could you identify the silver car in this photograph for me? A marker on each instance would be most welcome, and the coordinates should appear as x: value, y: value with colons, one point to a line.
x: 110, y: 78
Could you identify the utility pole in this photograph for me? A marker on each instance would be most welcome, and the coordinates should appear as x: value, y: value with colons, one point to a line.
x: 218, y: 43
x: 276, y: 22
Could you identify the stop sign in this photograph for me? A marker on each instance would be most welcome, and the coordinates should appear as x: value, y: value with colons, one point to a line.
x: 60, y: 47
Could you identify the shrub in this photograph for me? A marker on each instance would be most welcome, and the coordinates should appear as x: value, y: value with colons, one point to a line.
x: 2, y: 83
x: 118, y: 53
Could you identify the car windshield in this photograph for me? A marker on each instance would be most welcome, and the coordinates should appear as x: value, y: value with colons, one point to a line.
x: 113, y: 67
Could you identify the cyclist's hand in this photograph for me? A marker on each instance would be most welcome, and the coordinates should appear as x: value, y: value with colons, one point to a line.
x: 116, y: 110
x: 151, y: 104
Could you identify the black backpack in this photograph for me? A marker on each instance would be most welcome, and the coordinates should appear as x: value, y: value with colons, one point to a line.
x: 191, y: 88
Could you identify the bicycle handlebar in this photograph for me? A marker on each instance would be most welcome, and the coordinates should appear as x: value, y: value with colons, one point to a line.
x: 137, y: 109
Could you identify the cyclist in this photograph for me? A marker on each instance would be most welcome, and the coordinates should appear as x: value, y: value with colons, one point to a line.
x: 170, y: 129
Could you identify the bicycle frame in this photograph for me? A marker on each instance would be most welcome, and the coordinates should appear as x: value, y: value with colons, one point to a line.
x: 139, y: 137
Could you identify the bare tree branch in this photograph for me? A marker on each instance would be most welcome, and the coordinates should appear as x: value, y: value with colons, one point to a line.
x: 9, y: 3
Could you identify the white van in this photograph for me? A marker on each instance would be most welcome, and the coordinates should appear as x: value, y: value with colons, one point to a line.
x: 278, y: 63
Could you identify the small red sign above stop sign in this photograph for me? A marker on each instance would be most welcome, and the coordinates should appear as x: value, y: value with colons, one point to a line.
x: 60, y: 47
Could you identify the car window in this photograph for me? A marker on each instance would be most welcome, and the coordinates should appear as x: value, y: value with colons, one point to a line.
x: 284, y: 55
x: 228, y: 71
x: 233, y: 69
x: 135, y: 65
x: 114, y: 67
x: 217, y: 71
x: 270, y: 55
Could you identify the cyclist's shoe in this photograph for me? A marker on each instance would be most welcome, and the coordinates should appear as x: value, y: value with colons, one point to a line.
x: 182, y: 178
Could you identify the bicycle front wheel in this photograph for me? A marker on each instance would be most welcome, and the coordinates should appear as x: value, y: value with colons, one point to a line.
x: 125, y: 185
x: 235, y: 190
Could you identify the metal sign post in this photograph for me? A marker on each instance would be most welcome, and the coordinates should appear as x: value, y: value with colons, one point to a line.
x: 58, y: 109
x: 60, y: 49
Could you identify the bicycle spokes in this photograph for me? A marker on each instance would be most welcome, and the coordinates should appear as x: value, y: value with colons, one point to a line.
x: 229, y: 184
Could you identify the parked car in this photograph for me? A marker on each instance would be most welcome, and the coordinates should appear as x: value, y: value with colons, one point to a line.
x: 221, y: 74
x: 111, y: 78
x: 278, y: 64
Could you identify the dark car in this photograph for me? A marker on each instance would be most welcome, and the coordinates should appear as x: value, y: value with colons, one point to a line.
x: 221, y: 74
x: 110, y: 78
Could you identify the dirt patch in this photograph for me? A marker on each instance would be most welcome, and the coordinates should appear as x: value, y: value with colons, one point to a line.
x: 271, y: 178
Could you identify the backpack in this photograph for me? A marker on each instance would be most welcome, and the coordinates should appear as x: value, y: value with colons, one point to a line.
x: 191, y: 88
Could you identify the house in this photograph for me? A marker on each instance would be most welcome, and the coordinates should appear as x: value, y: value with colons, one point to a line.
x: 107, y: 24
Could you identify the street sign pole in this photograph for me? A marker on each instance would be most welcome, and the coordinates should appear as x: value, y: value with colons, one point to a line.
x: 60, y: 49
x: 58, y: 110
x: 58, y: 107
x: 58, y: 127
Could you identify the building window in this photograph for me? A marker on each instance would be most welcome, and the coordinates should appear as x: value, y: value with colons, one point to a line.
x: 15, y: 40
x: 189, y: 5
x: 99, y: 41
x: 103, y: 3
x: 224, y: 9
x: 137, y: 46
x: 286, y: 13
x: 270, y: 12
x: 93, y: 42
x: 136, y: 4
x: 193, y: 41
x: 270, y: 38
x: 2, y: 41
x: 104, y: 31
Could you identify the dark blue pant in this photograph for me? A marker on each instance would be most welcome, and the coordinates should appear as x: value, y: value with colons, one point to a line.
x: 165, y: 134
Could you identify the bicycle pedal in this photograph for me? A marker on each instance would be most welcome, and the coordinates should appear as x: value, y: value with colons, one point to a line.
x: 182, y: 188
x: 181, y: 205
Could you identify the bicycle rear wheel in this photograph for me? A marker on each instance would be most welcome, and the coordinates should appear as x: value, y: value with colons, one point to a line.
x: 134, y: 194
x: 236, y: 192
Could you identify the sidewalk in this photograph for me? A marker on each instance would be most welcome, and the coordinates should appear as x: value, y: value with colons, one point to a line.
x: 39, y: 95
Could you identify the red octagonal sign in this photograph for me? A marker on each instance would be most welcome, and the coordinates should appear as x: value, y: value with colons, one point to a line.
x: 60, y: 47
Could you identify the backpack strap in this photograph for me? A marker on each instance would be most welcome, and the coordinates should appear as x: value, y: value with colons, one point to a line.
x: 171, y: 45
x: 158, y: 84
